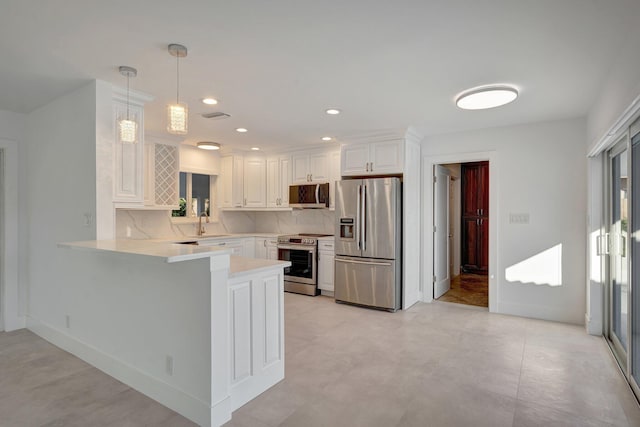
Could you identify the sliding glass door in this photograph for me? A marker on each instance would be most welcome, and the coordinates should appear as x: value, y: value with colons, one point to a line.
x: 634, y: 321
x: 617, y: 242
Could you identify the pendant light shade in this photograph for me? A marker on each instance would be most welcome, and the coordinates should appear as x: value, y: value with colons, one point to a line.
x: 128, y: 129
x: 178, y: 113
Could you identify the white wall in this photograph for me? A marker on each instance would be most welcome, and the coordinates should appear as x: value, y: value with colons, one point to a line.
x: 13, y: 281
x: 60, y: 194
x: 542, y: 172
x: 621, y: 87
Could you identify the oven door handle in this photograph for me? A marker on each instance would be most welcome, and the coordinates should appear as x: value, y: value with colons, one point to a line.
x: 297, y: 247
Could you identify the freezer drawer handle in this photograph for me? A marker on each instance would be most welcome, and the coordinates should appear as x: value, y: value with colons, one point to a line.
x: 348, y: 261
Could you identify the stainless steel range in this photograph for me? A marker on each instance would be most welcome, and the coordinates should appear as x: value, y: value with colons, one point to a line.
x: 302, y: 251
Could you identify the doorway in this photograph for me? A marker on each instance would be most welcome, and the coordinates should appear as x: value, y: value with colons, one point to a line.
x: 461, y: 233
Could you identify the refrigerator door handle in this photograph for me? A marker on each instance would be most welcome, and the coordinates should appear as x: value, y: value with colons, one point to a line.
x: 358, y: 217
x: 349, y: 261
x: 363, y: 211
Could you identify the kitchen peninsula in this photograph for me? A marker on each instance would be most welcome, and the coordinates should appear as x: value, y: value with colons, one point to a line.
x: 193, y: 327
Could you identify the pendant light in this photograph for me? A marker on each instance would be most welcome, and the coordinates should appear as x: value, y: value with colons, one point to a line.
x: 178, y: 113
x: 128, y: 128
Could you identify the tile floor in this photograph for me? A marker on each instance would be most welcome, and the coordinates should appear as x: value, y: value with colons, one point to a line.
x: 437, y: 364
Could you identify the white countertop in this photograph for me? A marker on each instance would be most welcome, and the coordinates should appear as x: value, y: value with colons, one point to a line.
x: 171, y: 252
x: 241, y: 265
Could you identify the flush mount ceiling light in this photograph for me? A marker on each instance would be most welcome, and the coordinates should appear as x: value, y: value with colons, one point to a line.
x: 210, y: 101
x: 332, y: 111
x: 208, y: 145
x: 178, y: 113
x: 484, y: 97
x: 241, y: 130
x: 255, y: 148
x: 128, y: 128
x: 326, y: 138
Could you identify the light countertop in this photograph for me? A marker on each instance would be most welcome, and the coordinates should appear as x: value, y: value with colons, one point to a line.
x: 241, y: 266
x: 171, y: 252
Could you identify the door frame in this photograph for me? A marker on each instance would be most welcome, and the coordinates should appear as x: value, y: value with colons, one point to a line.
x: 446, y: 173
x: 428, y: 163
x: 10, y: 310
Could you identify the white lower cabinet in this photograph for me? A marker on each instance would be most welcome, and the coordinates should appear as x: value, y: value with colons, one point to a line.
x: 326, y: 257
x: 256, y: 332
x: 272, y: 248
x: 239, y: 246
x: 260, y: 248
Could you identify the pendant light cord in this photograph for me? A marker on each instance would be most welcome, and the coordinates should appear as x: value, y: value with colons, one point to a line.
x: 178, y: 79
x: 128, y: 75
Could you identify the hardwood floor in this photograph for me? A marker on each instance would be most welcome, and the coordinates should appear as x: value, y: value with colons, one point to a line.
x: 470, y: 289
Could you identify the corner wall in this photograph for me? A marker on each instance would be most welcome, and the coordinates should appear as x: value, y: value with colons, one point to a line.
x: 12, y: 267
x: 540, y: 266
x: 60, y: 194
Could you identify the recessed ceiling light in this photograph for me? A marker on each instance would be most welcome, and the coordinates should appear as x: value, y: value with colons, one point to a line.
x: 483, y: 97
x: 208, y: 145
x: 255, y: 148
x: 241, y: 130
x: 332, y: 111
x: 210, y: 101
x: 326, y: 138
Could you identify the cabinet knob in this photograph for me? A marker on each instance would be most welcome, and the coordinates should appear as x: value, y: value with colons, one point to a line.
x: 367, y: 167
x: 371, y: 167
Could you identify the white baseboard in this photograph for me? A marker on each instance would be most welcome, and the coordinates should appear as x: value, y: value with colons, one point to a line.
x: 186, y: 405
x: 593, y: 327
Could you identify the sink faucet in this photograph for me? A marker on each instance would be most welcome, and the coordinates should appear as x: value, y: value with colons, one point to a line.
x: 201, y: 229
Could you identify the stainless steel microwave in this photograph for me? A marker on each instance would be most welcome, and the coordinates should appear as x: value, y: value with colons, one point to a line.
x: 309, y: 196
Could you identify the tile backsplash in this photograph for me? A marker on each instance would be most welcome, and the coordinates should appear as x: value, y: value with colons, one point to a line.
x: 152, y: 224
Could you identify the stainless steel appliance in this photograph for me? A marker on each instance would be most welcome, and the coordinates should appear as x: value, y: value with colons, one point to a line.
x: 302, y: 251
x: 309, y: 196
x: 368, y: 263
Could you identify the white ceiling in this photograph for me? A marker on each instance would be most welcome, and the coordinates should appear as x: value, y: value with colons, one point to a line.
x: 275, y: 66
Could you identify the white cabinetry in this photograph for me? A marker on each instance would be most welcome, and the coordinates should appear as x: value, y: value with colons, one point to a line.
x: 232, y: 181
x: 278, y: 181
x: 162, y: 174
x: 326, y: 257
x: 377, y: 158
x: 128, y: 187
x: 256, y: 332
x: 255, y: 188
x: 272, y: 248
x: 260, y: 250
x: 310, y: 167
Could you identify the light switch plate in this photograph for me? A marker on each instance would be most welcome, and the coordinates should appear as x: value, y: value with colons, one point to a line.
x: 518, y: 218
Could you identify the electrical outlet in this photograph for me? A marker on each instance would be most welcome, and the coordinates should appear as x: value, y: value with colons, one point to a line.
x: 67, y: 321
x: 88, y: 219
x: 169, y: 365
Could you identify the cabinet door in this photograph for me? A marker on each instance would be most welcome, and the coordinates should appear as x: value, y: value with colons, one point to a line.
x: 386, y: 157
x: 272, y: 251
x: 319, y: 167
x: 273, y: 182
x: 255, y: 189
x: 300, y: 167
x: 232, y: 182
x: 285, y: 180
x: 354, y: 159
x: 483, y: 245
x: 237, y: 182
x: 325, y: 270
x: 260, y: 248
x: 128, y: 159
x: 470, y: 238
x: 249, y: 247
x: 166, y: 176
x: 483, y: 188
x: 470, y: 190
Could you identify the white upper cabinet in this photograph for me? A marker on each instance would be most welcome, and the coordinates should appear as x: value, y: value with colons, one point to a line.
x: 377, y: 158
x: 231, y: 181
x: 255, y: 188
x: 162, y: 174
x: 334, y: 175
x: 278, y: 181
x: 128, y: 183
x: 310, y: 167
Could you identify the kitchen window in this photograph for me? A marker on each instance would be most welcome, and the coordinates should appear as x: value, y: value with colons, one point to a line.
x: 196, y: 196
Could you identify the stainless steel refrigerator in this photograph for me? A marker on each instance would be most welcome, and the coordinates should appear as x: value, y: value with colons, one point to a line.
x: 368, y: 263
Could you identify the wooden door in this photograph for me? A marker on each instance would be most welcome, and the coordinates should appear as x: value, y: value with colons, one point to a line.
x: 475, y: 217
